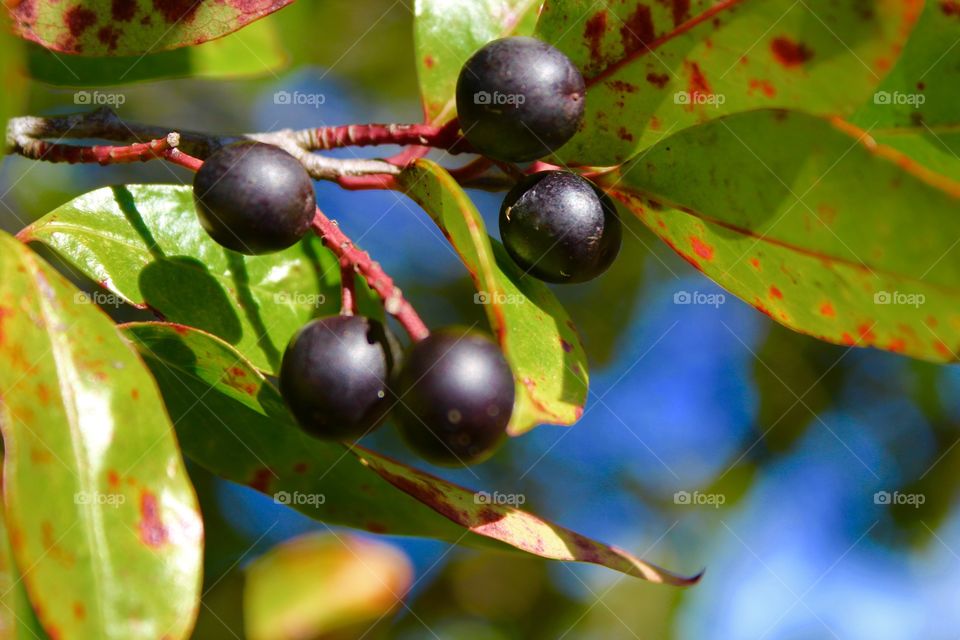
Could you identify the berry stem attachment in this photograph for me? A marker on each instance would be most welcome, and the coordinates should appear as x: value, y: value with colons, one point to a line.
x: 393, y: 300
x: 348, y: 290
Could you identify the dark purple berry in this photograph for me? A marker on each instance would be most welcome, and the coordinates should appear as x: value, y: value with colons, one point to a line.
x: 559, y: 227
x: 455, y: 396
x: 254, y: 198
x: 519, y: 99
x: 335, y: 377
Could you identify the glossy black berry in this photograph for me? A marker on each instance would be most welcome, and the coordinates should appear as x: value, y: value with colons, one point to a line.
x: 455, y: 393
x: 254, y: 198
x: 519, y: 99
x: 559, y: 227
x: 335, y: 376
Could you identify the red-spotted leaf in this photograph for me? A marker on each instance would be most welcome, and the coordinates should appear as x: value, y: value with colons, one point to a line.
x: 17, y: 619
x: 447, y: 32
x: 323, y: 584
x: 812, y: 222
x: 232, y: 421
x: 657, y: 67
x: 535, y: 332
x: 517, y: 528
x: 101, y: 514
x: 914, y: 109
x: 132, y: 27
x: 253, y: 51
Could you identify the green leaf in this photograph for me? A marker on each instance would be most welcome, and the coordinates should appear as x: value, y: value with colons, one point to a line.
x: 100, y: 510
x: 132, y: 27
x: 653, y: 68
x: 914, y: 109
x: 447, y: 32
x: 519, y: 529
x: 17, y: 620
x: 143, y: 243
x: 811, y: 222
x: 323, y: 583
x: 231, y: 421
x: 252, y: 51
x: 534, y: 331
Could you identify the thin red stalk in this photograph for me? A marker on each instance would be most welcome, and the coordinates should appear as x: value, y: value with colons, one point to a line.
x: 393, y: 300
x: 540, y: 165
x: 348, y: 289
x: 178, y: 157
x: 362, y: 135
x: 100, y: 154
x: 408, y: 155
x: 472, y: 169
x: 374, y: 181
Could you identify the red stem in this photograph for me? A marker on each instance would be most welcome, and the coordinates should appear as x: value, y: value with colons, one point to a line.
x: 103, y: 154
x: 180, y: 158
x: 393, y: 300
x: 348, y: 290
x: 361, y: 135
x: 472, y: 169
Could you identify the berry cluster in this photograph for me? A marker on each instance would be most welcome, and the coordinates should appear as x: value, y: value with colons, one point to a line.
x: 519, y: 99
x: 452, y: 393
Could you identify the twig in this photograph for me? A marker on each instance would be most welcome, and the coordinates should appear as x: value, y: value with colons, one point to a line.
x: 393, y: 300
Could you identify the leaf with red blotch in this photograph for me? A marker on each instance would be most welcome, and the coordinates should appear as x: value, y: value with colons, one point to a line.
x: 915, y: 108
x: 132, y: 27
x: 813, y: 223
x: 525, y: 531
x: 658, y: 67
x: 243, y: 432
x: 102, y: 518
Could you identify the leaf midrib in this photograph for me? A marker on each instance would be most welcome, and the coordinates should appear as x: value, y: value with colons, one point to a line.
x: 766, y: 239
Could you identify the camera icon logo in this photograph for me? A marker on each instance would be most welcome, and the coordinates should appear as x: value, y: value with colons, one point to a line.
x: 681, y: 497
x: 282, y: 97
x: 882, y: 97
x: 282, y: 497
x: 682, y: 297
x: 481, y: 297
x: 82, y: 97
x: 482, y: 97
x: 681, y: 97
x: 882, y: 497
x: 882, y: 297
